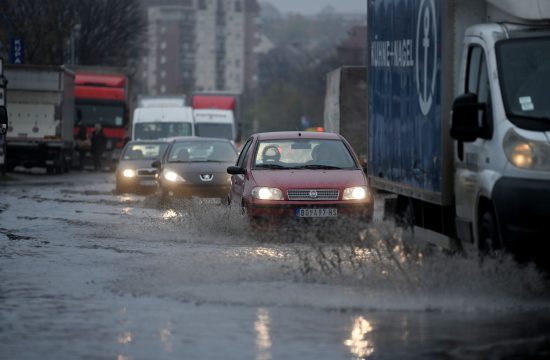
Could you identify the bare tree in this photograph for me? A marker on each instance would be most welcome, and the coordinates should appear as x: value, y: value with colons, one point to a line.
x: 105, y: 32
x: 110, y: 32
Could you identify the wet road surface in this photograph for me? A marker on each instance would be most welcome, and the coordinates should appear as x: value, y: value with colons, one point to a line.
x: 87, y: 274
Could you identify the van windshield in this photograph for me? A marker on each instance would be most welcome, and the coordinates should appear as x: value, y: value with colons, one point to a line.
x: 220, y: 131
x: 154, y: 131
x: 524, y: 70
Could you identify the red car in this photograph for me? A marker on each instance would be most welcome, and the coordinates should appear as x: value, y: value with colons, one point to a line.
x: 297, y: 175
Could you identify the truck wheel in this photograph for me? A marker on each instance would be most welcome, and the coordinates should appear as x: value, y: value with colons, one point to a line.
x: 490, y: 243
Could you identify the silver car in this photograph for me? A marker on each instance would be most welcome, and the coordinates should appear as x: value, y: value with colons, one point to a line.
x: 134, y: 171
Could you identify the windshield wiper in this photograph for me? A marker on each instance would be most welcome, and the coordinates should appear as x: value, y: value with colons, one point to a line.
x: 270, y: 166
x: 318, y: 167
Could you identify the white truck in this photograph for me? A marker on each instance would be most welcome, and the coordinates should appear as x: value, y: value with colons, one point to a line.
x: 40, y: 104
x: 459, y: 119
x: 216, y: 123
x: 151, y: 123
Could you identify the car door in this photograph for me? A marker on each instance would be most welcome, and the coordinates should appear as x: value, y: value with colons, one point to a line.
x: 238, y: 181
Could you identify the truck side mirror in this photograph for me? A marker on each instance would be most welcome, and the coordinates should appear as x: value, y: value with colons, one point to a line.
x: 465, y: 124
x: 3, y: 120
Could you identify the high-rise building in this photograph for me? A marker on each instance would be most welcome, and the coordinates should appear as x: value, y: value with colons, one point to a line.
x: 199, y: 45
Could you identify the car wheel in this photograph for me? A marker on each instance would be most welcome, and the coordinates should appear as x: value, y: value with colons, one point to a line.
x: 489, y: 242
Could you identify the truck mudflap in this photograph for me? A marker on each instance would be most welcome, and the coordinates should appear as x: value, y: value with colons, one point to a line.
x: 523, y: 213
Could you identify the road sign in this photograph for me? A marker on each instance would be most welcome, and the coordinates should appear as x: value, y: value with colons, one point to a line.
x: 17, y: 51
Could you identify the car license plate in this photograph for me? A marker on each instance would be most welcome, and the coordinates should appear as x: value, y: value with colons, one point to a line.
x: 323, y: 212
x: 147, y: 182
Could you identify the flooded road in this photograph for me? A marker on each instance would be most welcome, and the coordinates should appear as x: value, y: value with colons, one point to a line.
x: 86, y: 274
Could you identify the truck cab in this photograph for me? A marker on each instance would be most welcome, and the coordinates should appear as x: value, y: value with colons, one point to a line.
x: 501, y: 124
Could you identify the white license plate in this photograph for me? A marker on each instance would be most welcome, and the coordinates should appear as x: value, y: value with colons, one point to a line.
x: 326, y: 212
x: 147, y: 182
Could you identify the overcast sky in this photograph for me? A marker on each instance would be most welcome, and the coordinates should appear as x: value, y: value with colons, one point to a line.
x: 314, y: 6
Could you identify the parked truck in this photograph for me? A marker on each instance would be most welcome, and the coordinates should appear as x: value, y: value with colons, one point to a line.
x: 41, y: 117
x: 102, y: 96
x: 459, y: 117
x: 345, y: 107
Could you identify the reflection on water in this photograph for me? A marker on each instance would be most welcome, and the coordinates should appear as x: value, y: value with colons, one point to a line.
x: 169, y: 214
x: 166, y: 337
x: 266, y: 252
x: 263, y: 340
x: 358, y: 343
x: 125, y: 338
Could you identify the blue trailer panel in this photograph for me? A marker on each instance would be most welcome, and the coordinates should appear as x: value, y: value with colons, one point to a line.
x: 405, y: 101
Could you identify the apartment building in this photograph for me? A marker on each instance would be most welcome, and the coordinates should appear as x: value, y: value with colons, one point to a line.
x: 199, y: 45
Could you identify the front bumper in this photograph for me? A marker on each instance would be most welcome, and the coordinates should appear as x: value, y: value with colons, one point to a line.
x: 279, y: 210
x: 136, y: 182
x: 523, y: 212
x: 190, y: 190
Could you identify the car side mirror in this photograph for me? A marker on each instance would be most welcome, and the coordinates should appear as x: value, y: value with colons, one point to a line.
x: 465, y: 123
x: 156, y: 164
x: 235, y: 170
x: 3, y: 120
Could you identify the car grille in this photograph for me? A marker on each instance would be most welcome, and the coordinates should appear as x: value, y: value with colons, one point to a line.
x: 313, y: 194
x: 146, y: 172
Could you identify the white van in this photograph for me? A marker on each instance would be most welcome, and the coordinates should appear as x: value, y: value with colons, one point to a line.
x: 152, y: 123
x: 215, y: 123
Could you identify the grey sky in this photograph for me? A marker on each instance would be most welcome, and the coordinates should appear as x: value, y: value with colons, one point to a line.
x: 314, y: 6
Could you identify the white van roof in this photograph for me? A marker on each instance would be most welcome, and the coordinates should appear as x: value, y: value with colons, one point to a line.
x: 163, y: 114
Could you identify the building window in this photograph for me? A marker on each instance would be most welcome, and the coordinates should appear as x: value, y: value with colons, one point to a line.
x: 238, y: 6
x: 163, y: 45
x: 162, y: 74
x: 163, y: 89
x: 163, y: 59
x: 202, y: 5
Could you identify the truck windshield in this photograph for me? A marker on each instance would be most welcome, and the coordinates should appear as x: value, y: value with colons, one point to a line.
x: 524, y: 70
x: 221, y: 131
x: 153, y: 131
x: 109, y: 116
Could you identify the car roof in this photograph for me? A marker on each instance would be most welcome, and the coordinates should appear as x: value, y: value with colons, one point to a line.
x: 197, y: 138
x: 297, y: 135
x: 156, y: 141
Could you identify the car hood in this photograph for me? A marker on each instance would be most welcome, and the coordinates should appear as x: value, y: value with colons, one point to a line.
x: 135, y: 164
x: 199, y: 167
x: 308, y: 179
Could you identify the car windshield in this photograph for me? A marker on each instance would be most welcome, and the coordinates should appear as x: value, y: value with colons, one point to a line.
x: 143, y: 151
x: 303, y: 154
x: 202, y: 151
x: 222, y: 131
x: 153, y: 131
x: 524, y: 69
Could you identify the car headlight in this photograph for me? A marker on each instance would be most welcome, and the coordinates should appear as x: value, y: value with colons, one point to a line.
x: 267, y: 193
x: 526, y: 154
x: 356, y: 193
x: 129, y: 173
x: 172, y: 176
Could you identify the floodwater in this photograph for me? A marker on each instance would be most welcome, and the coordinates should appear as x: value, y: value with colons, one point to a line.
x: 86, y: 274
